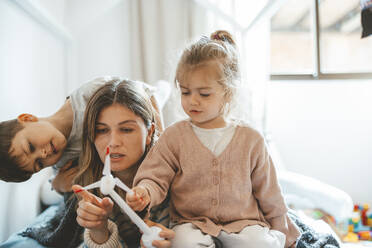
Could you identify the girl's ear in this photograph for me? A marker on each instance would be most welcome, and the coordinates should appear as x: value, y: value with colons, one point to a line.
x: 22, y: 118
x: 150, y: 134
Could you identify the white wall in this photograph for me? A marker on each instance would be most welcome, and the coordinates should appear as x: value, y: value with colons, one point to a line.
x: 323, y: 129
x: 101, y: 38
x: 32, y: 74
x: 32, y: 60
x: 55, y: 8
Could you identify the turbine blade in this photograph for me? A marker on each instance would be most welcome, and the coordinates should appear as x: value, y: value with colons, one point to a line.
x: 122, y: 185
x: 93, y: 185
x: 107, y: 167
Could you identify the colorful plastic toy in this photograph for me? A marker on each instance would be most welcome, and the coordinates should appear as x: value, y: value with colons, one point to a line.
x: 360, y: 224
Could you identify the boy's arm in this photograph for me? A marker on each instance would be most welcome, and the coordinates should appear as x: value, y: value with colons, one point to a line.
x: 63, y: 181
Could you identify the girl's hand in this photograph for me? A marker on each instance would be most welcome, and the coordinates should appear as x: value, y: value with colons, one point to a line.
x: 166, y: 233
x: 92, y: 213
x: 139, y: 200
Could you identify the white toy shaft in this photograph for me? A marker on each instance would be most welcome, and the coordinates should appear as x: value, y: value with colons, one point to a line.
x: 121, y: 185
x: 132, y: 215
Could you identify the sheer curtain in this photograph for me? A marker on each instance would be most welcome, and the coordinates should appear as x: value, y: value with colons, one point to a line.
x: 161, y: 28
x: 159, y: 31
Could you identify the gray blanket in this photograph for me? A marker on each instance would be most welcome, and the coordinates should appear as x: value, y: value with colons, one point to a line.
x: 63, y: 231
x: 310, y: 238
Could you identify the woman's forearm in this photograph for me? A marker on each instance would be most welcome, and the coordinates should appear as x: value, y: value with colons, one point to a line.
x: 93, y: 238
x: 99, y: 236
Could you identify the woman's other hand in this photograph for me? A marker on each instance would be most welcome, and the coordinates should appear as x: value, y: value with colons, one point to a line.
x: 166, y: 234
x: 139, y: 200
x: 92, y: 213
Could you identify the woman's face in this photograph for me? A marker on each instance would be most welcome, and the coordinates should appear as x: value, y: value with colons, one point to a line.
x: 125, y: 133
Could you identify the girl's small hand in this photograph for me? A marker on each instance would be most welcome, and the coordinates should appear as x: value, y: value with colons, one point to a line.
x: 166, y: 233
x: 139, y: 200
x: 92, y: 213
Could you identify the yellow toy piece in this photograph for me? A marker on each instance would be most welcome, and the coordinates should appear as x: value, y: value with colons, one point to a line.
x: 351, y: 237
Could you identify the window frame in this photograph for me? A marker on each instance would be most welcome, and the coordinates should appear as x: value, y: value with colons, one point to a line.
x: 317, y: 73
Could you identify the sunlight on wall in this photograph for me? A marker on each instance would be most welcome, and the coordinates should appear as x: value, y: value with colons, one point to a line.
x: 324, y: 130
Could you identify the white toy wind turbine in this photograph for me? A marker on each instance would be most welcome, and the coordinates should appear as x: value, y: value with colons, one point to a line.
x: 107, y: 185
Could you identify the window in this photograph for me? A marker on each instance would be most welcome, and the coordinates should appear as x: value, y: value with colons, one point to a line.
x: 319, y: 39
x: 341, y: 46
x: 291, y: 39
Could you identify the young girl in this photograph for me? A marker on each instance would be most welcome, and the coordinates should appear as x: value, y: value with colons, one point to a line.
x: 219, y: 175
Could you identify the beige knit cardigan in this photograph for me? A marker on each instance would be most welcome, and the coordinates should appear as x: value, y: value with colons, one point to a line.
x: 238, y: 188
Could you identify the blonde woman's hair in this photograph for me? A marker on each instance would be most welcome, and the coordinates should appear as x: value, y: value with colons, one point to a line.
x: 126, y: 93
x: 220, y: 47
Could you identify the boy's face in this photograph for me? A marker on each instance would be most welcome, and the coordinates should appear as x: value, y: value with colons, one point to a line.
x: 38, y: 145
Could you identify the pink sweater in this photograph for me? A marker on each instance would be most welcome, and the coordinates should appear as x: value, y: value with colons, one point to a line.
x: 236, y: 189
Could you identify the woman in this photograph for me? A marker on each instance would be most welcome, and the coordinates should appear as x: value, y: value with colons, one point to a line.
x: 119, y: 116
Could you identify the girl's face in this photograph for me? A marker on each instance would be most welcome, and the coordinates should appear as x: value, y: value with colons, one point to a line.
x: 38, y: 145
x: 202, y: 97
x: 125, y: 133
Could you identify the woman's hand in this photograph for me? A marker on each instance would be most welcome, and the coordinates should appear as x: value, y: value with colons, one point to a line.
x: 93, y: 213
x: 166, y: 233
x: 62, y: 183
x: 139, y: 200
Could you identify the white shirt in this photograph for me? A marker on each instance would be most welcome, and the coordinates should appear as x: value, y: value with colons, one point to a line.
x: 215, y: 139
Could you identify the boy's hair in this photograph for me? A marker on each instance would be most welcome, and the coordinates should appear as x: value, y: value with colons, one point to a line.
x: 219, y: 47
x: 10, y: 171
